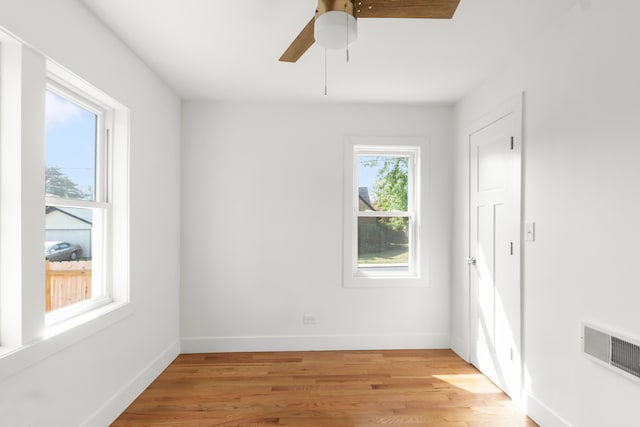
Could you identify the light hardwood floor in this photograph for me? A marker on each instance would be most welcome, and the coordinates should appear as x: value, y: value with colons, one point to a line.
x: 323, y: 389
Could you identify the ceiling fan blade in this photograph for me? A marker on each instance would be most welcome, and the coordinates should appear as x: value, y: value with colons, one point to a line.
x: 434, y: 9
x: 300, y: 45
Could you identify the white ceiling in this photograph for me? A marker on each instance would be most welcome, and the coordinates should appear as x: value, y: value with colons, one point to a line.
x: 229, y: 50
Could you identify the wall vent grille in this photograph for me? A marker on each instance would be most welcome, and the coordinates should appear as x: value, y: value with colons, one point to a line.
x: 612, y: 350
x: 625, y: 356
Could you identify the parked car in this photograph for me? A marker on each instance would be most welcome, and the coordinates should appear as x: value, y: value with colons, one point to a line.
x: 61, y: 251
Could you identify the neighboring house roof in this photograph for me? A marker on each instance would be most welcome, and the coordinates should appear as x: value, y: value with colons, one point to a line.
x: 84, y: 215
x: 363, y: 193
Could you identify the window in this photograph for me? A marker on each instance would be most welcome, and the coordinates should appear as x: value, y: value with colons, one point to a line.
x: 77, y: 207
x: 382, y: 212
x: 64, y: 177
x: 86, y: 230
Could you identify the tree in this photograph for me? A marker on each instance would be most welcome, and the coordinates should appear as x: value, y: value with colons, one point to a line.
x: 391, y: 188
x: 59, y: 184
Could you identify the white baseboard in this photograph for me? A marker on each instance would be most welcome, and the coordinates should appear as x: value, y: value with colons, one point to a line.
x: 543, y: 415
x: 313, y: 343
x: 113, y: 407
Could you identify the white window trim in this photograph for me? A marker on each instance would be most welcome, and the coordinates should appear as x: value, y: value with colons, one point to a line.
x: 415, y: 148
x: 62, y: 84
x: 25, y: 339
x: 114, y: 126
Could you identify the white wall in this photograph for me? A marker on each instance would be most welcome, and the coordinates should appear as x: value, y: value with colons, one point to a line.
x: 93, y: 380
x: 262, y: 230
x: 581, y: 173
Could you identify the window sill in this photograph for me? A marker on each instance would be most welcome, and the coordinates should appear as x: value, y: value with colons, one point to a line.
x: 61, y: 336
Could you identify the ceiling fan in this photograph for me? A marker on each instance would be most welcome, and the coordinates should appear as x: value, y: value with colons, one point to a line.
x: 334, y: 25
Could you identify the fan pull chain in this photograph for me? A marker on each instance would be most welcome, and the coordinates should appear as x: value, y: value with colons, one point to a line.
x: 325, y: 71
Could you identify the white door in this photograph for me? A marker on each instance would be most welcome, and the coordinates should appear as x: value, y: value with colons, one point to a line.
x: 494, y: 246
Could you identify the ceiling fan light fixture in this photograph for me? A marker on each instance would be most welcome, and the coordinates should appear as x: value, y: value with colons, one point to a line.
x: 335, y: 29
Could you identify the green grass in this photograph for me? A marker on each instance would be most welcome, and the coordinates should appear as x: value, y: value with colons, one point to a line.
x: 396, y: 253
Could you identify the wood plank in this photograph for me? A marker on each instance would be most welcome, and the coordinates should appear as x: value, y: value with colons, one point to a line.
x: 322, y: 389
x: 301, y: 43
x: 433, y: 9
x: 66, y: 283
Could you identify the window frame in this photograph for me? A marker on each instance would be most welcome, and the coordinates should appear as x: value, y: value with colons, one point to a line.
x: 413, y: 148
x: 101, y: 230
x: 412, y: 153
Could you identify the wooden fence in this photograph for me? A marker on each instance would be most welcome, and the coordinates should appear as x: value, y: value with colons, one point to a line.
x: 67, y: 282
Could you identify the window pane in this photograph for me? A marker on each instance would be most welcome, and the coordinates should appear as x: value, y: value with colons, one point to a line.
x: 383, y: 243
x: 383, y: 183
x: 68, y: 253
x: 70, y: 149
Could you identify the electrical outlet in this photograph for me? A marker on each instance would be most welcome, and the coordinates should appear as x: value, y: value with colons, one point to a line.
x: 309, y: 319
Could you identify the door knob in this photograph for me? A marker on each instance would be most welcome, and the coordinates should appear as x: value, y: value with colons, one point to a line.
x: 470, y: 261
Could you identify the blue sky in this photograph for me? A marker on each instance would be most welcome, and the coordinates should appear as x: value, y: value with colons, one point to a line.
x: 71, y: 140
x: 367, y: 175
